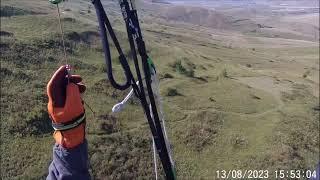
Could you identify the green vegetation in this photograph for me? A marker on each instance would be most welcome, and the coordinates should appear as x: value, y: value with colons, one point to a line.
x: 214, y: 120
x: 178, y: 67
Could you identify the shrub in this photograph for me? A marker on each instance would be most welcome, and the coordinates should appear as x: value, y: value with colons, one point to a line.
x: 103, y: 68
x: 306, y: 74
x: 91, y: 37
x: 69, y: 19
x: 167, y: 76
x: 190, y: 73
x: 202, y: 131
x: 203, y: 67
x: 73, y: 36
x: 212, y: 99
x: 224, y: 73
x: 5, y: 33
x: 255, y: 97
x: 190, y: 64
x: 238, y: 141
x: 102, y: 86
x: 8, y: 11
x: 178, y: 67
x: 5, y: 72
x: 108, y: 124
x: 173, y: 92
x: 316, y: 108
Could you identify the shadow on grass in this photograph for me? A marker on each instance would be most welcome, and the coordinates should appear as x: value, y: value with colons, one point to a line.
x: 8, y: 11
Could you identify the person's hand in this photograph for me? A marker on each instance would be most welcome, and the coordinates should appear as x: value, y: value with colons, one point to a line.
x: 65, y: 108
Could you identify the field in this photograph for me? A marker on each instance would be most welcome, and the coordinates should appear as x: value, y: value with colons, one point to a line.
x: 240, y: 88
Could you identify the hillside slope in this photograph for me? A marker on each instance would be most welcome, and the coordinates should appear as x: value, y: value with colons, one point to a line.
x: 290, y: 20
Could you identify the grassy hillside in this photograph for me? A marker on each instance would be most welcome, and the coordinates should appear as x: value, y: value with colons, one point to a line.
x: 250, y: 105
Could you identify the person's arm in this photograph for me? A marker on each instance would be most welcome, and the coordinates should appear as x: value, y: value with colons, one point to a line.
x: 69, y: 163
x: 65, y: 107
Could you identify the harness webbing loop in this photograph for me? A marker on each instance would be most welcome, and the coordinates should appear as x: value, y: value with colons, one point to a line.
x: 69, y: 125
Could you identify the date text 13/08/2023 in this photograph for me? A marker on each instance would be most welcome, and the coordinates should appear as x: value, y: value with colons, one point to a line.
x: 266, y: 174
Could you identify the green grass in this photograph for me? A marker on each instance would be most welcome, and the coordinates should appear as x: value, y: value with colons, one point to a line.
x: 214, y: 122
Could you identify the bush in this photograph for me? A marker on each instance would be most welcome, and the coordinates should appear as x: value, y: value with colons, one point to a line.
x: 306, y: 74
x: 238, y: 141
x: 5, y: 72
x: 172, y: 92
x: 203, y: 67
x: 108, y: 124
x: 178, y: 67
x: 69, y: 19
x: 255, y: 97
x: 224, y: 73
x: 190, y: 73
x: 8, y: 11
x: 102, y: 86
x: 167, y: 76
x: 103, y: 68
x: 73, y: 36
x: 5, y: 33
x: 202, y: 131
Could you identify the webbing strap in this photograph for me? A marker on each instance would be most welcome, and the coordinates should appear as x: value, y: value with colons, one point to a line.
x: 69, y: 125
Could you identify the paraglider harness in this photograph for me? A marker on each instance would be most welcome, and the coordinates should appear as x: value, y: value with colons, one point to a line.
x: 144, y: 89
